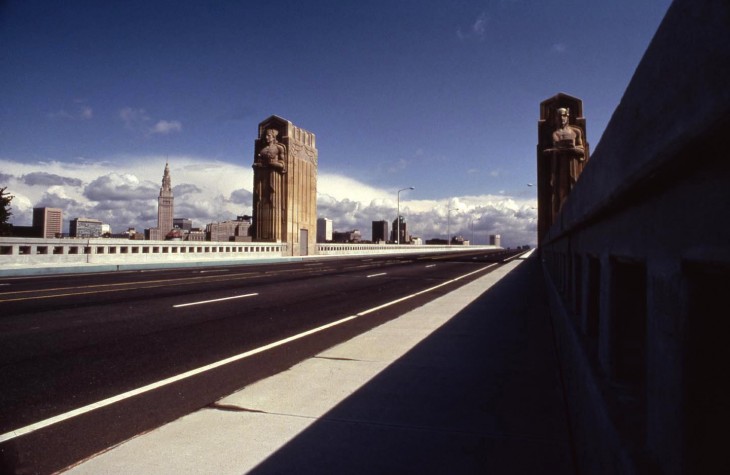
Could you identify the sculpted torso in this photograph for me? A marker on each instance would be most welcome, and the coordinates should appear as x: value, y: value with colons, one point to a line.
x: 565, y: 136
x: 274, y: 153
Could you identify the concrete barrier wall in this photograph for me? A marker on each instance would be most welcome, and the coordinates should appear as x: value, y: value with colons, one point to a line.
x: 17, y: 255
x: 639, y: 255
x: 32, y: 251
x: 336, y: 249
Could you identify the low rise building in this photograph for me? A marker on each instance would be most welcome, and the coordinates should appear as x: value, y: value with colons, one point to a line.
x: 85, y: 228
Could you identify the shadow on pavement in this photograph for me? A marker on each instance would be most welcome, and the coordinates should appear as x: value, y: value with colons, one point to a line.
x: 482, y: 394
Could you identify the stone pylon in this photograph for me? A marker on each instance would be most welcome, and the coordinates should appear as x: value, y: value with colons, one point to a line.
x: 562, y: 153
x: 285, y: 186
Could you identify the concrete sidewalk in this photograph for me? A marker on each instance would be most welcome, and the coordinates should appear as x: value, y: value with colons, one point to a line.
x: 468, y: 383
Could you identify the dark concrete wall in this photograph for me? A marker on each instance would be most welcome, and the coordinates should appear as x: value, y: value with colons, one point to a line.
x: 640, y: 254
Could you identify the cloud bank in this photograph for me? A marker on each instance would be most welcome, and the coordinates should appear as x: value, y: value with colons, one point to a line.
x: 122, y: 191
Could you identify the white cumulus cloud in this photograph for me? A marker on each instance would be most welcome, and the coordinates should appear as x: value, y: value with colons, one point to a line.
x: 165, y: 127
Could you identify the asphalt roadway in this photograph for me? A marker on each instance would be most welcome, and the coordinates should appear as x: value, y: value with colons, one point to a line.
x: 89, y: 361
x: 467, y: 383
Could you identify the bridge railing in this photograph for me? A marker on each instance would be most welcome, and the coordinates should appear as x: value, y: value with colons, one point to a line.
x: 37, y: 251
x: 16, y: 252
x: 639, y: 256
x: 339, y: 249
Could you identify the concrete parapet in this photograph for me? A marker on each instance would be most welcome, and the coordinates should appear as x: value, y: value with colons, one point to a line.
x: 31, y: 256
x: 374, y: 249
x: 24, y: 252
x: 638, y: 259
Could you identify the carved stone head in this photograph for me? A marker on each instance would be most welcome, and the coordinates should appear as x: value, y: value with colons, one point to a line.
x: 563, y: 115
x: 271, y: 135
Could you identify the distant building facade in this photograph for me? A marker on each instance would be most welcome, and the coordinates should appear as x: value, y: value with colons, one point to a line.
x: 324, y: 230
x: 195, y: 234
x: 130, y: 233
x: 85, y: 228
x: 165, y: 209
x: 399, y: 228
x: 237, y: 230
x: 183, y: 223
x: 165, y: 203
x: 47, y: 222
x: 495, y: 240
x: 380, y: 231
x: 347, y: 236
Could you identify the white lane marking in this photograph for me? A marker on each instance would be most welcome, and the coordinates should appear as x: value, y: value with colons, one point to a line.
x: 214, y: 300
x: 109, y: 401
x: 377, y: 275
x: 214, y: 270
x: 430, y: 265
x: 380, y: 307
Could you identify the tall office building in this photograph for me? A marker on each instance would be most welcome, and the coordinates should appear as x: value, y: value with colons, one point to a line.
x: 47, y: 222
x: 165, y: 205
x: 324, y: 230
x: 165, y: 209
x: 399, y: 228
x: 495, y: 240
x: 380, y: 231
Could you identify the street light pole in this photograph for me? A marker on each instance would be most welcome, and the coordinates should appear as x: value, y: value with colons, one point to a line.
x: 397, y: 218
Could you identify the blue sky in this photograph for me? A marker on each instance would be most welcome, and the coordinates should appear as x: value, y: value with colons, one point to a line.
x: 440, y: 95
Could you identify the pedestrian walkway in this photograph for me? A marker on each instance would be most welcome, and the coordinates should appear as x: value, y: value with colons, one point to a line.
x: 468, y: 383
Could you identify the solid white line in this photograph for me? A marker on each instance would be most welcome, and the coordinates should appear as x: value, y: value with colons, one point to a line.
x: 210, y: 301
x: 377, y: 275
x: 430, y: 265
x: 109, y: 401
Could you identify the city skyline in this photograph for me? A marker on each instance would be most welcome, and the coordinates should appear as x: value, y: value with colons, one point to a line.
x: 444, y: 98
